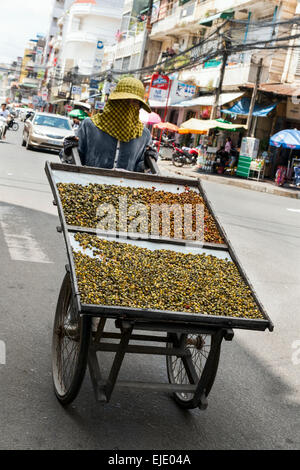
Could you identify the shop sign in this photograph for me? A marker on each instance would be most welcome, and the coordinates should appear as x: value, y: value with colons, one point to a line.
x: 35, y: 100
x: 76, y: 90
x: 94, y: 83
x: 292, y: 110
x: 99, y: 104
x: 160, y: 81
x: 185, y: 91
x: 159, y: 87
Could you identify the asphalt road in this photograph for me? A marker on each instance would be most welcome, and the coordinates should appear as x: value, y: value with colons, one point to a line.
x: 255, y: 401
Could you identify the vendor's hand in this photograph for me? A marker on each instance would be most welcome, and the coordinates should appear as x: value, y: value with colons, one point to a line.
x: 69, y: 143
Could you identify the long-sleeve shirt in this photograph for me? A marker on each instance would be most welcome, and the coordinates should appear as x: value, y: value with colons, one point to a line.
x: 97, y: 148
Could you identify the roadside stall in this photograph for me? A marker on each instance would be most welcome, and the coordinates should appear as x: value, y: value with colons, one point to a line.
x: 166, y: 149
x: 207, y: 153
x: 288, y: 170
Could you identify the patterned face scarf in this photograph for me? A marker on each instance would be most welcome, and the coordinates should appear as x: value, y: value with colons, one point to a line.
x: 120, y: 119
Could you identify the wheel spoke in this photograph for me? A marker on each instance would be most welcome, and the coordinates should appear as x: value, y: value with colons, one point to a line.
x: 66, y: 343
x: 199, y: 347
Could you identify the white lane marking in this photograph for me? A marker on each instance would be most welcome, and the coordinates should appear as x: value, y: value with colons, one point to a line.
x: 21, y: 244
x: 293, y: 210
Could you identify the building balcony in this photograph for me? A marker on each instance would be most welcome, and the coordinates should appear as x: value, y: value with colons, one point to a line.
x: 129, y: 46
x: 236, y: 74
x: 29, y: 82
x: 57, y: 42
x: 109, y: 8
x: 82, y: 36
x: 57, y: 12
x: 185, y: 18
x: 181, y: 21
x: 223, y: 5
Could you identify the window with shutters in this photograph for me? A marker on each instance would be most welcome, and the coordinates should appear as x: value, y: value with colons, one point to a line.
x: 118, y: 64
x: 126, y: 62
x: 134, y: 63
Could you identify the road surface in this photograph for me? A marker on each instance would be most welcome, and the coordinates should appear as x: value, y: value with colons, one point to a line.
x: 255, y: 401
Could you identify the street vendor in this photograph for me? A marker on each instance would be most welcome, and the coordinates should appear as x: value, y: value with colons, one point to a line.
x: 116, y: 138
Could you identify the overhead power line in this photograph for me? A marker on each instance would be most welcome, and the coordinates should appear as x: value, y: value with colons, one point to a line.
x: 270, y: 44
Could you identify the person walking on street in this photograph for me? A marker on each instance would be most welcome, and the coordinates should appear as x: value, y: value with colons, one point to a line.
x: 116, y: 138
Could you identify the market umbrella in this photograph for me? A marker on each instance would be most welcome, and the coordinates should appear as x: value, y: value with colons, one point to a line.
x: 288, y: 138
x: 78, y: 113
x: 202, y: 126
x: 194, y: 126
x: 149, y: 118
x: 223, y: 121
x: 166, y: 126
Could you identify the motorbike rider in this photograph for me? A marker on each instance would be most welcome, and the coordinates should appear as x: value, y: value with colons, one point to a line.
x: 4, y: 113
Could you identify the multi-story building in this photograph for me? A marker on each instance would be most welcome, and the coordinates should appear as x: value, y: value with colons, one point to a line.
x: 32, y: 68
x: 84, y: 29
x: 130, y: 41
x: 177, y: 25
x: 59, y: 7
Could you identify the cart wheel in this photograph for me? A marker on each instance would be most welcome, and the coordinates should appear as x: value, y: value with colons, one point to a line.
x: 15, y: 126
x: 70, y: 345
x: 201, y: 347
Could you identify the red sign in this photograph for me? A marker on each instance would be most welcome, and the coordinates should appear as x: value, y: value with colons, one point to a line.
x: 68, y: 108
x: 159, y: 88
x: 160, y: 81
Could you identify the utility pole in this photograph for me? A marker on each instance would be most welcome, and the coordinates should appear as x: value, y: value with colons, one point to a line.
x: 221, y: 78
x: 253, y: 99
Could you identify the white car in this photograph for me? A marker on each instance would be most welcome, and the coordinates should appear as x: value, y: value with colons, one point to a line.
x: 45, y: 130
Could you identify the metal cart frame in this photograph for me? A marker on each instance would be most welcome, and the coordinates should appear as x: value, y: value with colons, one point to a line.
x: 183, y: 335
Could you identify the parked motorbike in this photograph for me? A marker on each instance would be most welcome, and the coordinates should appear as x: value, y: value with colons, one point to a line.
x: 184, y: 156
x: 165, y: 148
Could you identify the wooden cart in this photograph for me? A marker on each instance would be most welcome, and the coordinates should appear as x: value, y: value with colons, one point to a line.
x: 190, y: 342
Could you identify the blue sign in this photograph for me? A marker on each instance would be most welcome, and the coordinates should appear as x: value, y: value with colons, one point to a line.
x: 76, y: 90
x: 100, y: 45
x: 94, y: 84
x: 160, y: 81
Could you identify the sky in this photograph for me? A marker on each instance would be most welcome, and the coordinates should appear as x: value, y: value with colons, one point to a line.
x: 20, y: 21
